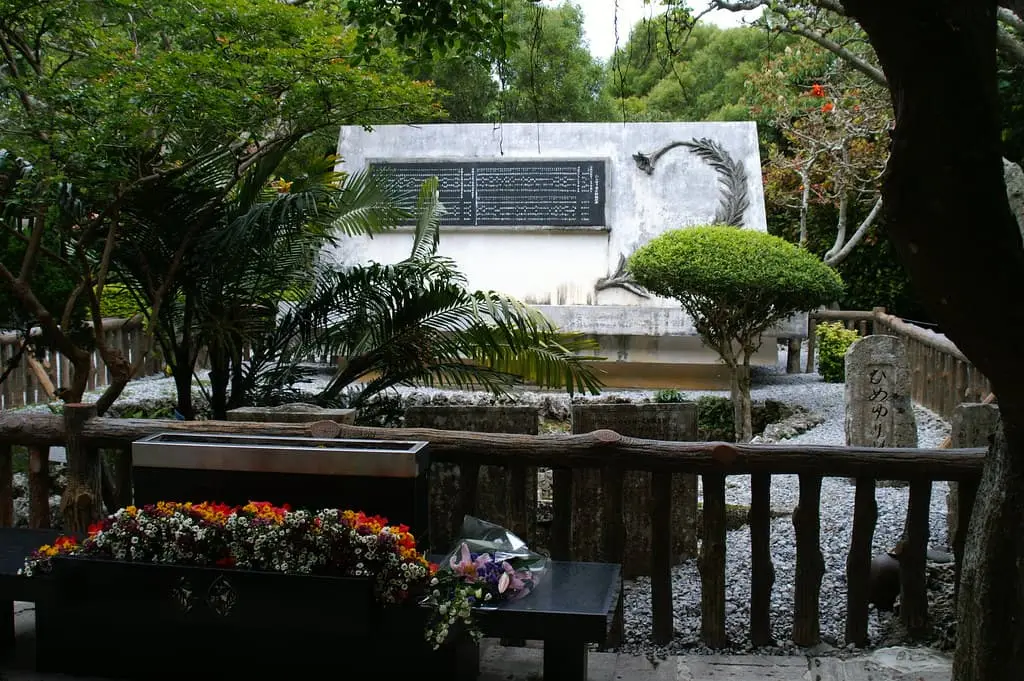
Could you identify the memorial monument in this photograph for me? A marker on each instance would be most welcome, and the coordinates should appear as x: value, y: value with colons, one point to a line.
x: 549, y: 213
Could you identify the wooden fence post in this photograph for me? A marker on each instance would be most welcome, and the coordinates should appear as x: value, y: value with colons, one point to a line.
x: 810, y: 564
x: 39, y: 487
x: 972, y: 425
x: 6, y: 487
x: 812, y: 332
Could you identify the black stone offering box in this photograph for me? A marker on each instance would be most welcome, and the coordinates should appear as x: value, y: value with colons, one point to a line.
x: 378, y: 477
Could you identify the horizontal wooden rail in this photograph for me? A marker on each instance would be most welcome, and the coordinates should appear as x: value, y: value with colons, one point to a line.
x: 616, y: 455
x: 941, y: 375
x: 109, y: 324
x: 34, y: 381
x: 843, y: 315
x: 591, y: 450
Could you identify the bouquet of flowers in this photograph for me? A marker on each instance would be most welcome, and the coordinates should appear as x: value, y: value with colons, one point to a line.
x: 487, y: 565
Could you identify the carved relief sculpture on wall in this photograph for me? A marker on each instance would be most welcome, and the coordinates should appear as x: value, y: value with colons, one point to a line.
x: 731, y: 207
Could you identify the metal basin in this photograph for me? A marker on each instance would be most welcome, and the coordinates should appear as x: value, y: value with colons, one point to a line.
x: 271, y: 454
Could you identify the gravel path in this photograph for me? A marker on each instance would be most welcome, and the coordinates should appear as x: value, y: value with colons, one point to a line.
x: 837, y: 498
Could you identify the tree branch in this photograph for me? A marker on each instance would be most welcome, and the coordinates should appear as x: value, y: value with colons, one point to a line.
x: 46, y: 321
x: 12, y: 64
x: 35, y: 240
x: 869, y: 70
x: 834, y: 259
x: 1010, y: 19
x: 1009, y: 45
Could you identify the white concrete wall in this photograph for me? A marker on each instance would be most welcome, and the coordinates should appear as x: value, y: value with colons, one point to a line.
x: 547, y: 265
x: 537, y: 266
x: 557, y: 268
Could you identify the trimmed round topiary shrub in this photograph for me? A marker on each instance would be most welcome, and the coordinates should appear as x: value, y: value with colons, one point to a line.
x: 735, y: 284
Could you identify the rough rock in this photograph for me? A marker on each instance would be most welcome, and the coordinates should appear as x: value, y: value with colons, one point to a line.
x: 1014, y: 177
x: 879, y: 409
x: 885, y: 664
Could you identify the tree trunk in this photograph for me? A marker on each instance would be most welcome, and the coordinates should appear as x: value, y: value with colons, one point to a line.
x: 739, y: 392
x: 950, y: 223
x: 220, y: 374
x: 82, y: 503
x: 990, y: 635
x: 237, y: 373
x: 182, y: 373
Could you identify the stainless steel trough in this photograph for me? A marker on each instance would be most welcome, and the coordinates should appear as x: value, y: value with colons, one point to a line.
x: 387, y: 478
x: 273, y: 454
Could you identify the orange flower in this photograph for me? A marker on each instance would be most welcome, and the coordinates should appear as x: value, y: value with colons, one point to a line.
x: 828, y: 106
x: 817, y: 90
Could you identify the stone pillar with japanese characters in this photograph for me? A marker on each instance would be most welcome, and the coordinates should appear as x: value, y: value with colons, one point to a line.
x: 879, y: 410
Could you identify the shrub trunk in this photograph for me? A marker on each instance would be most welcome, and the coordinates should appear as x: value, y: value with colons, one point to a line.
x: 739, y: 391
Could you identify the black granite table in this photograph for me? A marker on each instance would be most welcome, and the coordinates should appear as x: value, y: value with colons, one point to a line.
x: 573, y: 605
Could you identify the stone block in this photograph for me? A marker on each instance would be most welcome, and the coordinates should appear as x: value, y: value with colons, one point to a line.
x: 496, y: 487
x: 879, y: 409
x: 297, y: 412
x: 670, y: 421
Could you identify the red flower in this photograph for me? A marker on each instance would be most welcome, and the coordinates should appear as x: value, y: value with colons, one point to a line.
x: 817, y: 90
x: 828, y: 106
x: 63, y: 543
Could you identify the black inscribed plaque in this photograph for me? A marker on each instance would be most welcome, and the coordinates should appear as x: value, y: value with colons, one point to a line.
x: 542, y: 193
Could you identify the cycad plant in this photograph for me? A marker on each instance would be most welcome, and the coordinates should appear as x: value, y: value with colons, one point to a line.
x: 257, y: 243
x: 414, y: 322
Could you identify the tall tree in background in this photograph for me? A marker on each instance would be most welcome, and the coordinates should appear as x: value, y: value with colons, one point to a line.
x: 108, y: 103
x: 545, y: 73
x: 832, y: 126
x: 950, y: 222
x: 673, y: 70
x: 551, y: 76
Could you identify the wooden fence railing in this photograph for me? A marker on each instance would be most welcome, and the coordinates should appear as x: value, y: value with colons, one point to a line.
x: 941, y: 376
x: 614, y: 455
x: 33, y: 379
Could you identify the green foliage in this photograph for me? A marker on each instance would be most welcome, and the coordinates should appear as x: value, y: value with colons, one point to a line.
x: 117, y: 301
x: 440, y: 27
x: 414, y: 322
x: 692, y: 76
x: 715, y: 419
x: 123, y: 75
x: 834, y: 340
x: 872, y: 274
x: 735, y: 283
x: 669, y: 395
x: 547, y: 74
x: 181, y: 107
x: 1011, y: 100
x: 273, y: 230
x: 551, y: 76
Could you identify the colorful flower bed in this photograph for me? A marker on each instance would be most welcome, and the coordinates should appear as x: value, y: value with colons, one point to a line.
x: 261, y: 536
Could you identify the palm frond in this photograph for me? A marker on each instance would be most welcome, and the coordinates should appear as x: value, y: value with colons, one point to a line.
x: 428, y: 221
x: 364, y: 208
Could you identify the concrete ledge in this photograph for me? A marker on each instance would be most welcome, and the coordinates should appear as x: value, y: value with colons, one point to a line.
x: 511, y: 229
x: 637, y: 320
x: 292, y: 413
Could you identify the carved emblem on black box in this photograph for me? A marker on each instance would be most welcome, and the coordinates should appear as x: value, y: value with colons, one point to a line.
x: 183, y: 594
x: 221, y: 596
